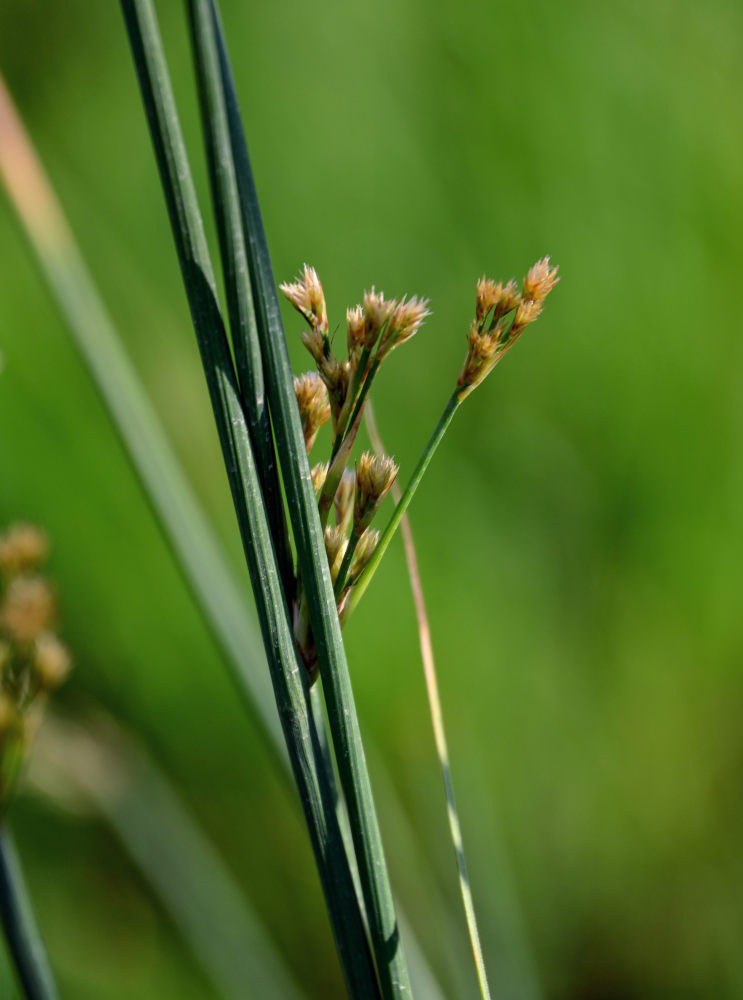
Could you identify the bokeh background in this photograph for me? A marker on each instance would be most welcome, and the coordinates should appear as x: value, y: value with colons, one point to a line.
x: 579, y: 533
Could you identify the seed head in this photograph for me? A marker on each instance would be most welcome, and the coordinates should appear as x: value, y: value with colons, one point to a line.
x: 314, y: 405
x: 486, y: 345
x: 540, y: 280
x: 375, y: 474
x: 318, y: 473
x: 355, y: 337
x: 23, y: 547
x: 28, y: 608
x: 315, y: 343
x: 52, y: 660
x: 404, y: 323
x: 377, y: 310
x: 364, y: 551
x: 526, y: 312
x: 306, y: 295
x: 496, y: 296
x: 335, y: 548
x: 343, y: 500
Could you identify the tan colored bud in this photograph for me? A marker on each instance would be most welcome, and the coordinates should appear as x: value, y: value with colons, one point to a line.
x: 318, y: 473
x: 377, y: 310
x: 28, y: 608
x: 526, y: 312
x: 315, y: 343
x: 404, y: 323
x: 355, y: 333
x: 52, y: 660
x: 306, y: 295
x: 314, y: 406
x: 540, y: 280
x: 496, y: 296
x: 364, y: 551
x: 343, y: 500
x: 484, y: 349
x: 23, y: 547
x: 336, y: 543
x: 375, y: 474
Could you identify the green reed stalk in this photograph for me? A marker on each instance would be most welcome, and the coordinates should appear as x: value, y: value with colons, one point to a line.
x: 308, y: 536
x: 288, y: 676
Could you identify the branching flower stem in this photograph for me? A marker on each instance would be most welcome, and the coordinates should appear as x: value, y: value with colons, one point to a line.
x: 433, y: 442
x: 340, y: 582
x: 437, y: 720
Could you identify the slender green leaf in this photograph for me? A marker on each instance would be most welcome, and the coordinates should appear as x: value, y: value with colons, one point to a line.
x: 310, y: 545
x: 24, y: 940
x: 288, y: 676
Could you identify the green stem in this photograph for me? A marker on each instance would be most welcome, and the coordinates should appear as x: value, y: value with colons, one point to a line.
x: 340, y: 581
x: 356, y: 416
x: 352, y: 394
x: 240, y: 304
x: 433, y: 442
x: 24, y: 940
x: 313, y: 564
x: 287, y: 675
x: 334, y: 476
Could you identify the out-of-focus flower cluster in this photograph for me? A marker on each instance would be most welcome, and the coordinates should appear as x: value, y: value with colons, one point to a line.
x: 33, y: 660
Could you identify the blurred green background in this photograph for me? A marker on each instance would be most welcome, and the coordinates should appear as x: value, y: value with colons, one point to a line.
x: 580, y: 531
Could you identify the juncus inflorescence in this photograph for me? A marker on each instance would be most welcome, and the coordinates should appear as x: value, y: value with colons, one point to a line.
x: 338, y: 391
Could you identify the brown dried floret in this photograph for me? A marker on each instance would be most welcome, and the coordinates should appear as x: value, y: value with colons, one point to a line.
x: 314, y: 405
x: 404, y: 322
x: 375, y: 474
x: 23, y: 547
x: 28, y: 608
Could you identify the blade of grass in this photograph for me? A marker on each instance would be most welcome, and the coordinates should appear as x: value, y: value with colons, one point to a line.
x: 95, y: 760
x: 437, y: 718
x: 288, y: 676
x: 174, y: 503
x: 308, y: 536
x: 21, y: 933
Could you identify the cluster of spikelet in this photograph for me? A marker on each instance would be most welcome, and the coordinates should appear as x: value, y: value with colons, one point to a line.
x: 337, y: 390
x: 33, y: 661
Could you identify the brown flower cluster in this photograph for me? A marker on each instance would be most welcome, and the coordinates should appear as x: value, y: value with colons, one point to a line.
x: 502, y: 313
x: 33, y: 661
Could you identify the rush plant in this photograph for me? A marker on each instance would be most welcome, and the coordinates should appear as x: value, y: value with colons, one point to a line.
x: 307, y: 532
